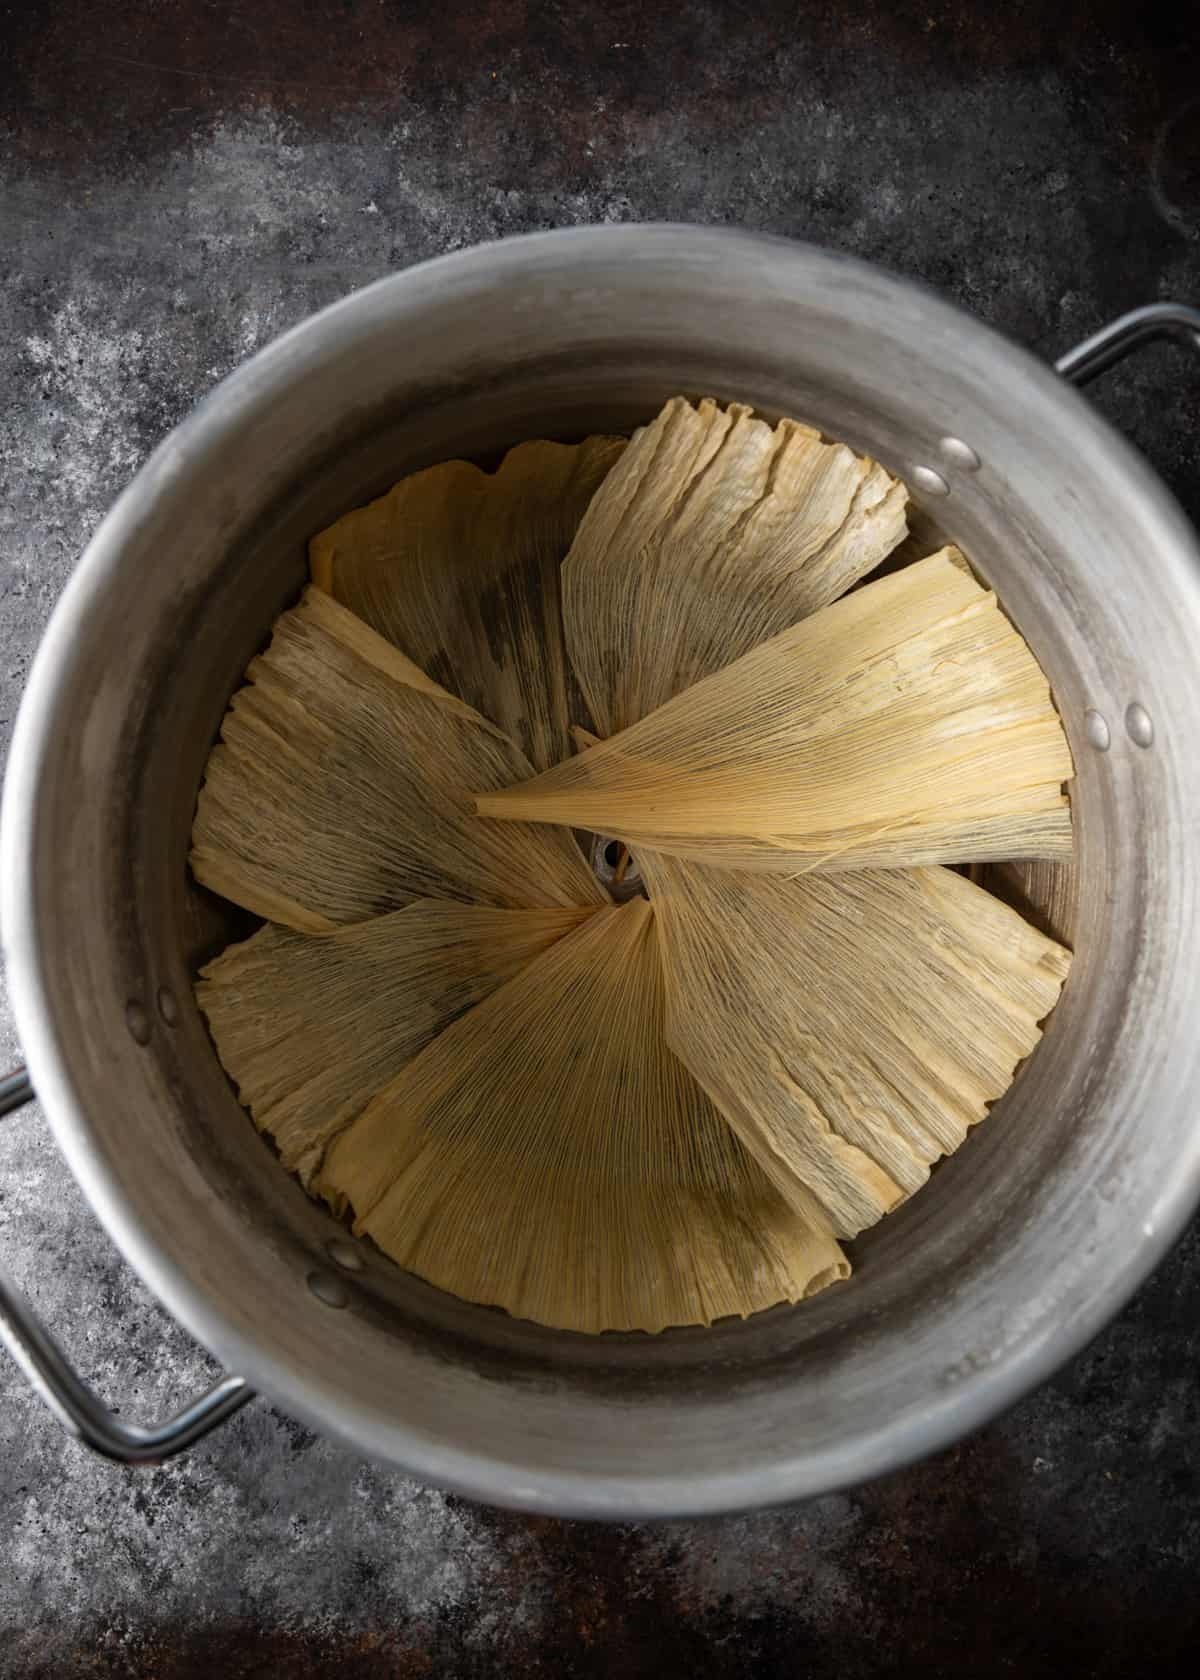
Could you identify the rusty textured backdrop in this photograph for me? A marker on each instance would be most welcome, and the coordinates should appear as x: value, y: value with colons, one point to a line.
x: 180, y: 180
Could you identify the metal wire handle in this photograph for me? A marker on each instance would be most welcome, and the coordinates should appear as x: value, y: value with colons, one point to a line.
x: 77, y: 1407
x: 16, y: 1089
x: 1126, y: 334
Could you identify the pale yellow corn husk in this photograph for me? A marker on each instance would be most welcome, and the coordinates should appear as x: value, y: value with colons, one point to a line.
x: 310, y: 1026
x: 460, y: 569
x: 907, y: 723
x: 342, y: 788
x: 714, y: 532
x: 547, y: 1154
x: 886, y: 1008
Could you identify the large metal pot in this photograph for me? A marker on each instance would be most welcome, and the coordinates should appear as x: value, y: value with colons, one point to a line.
x: 1021, y: 1246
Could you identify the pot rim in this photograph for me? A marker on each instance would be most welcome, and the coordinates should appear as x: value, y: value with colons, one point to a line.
x: 251, y: 389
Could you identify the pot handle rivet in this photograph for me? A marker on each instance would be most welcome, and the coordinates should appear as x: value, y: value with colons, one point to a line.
x: 1139, y: 725
x: 959, y: 454
x: 330, y: 1291
x: 1096, y: 730
x: 138, y: 1022
x: 930, y: 480
x: 345, y: 1255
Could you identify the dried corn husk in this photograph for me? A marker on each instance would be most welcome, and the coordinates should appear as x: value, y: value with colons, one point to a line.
x: 908, y: 723
x: 310, y: 1026
x: 713, y: 532
x: 460, y: 569
x: 341, y: 789
x: 885, y: 1008
x: 1045, y: 893
x: 547, y: 1154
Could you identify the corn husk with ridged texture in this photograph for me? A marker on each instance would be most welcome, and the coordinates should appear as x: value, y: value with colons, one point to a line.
x: 311, y: 1026
x: 883, y: 1008
x: 460, y: 569
x: 547, y: 1154
x: 341, y: 789
x: 1045, y: 893
x: 712, y: 533
x: 908, y: 723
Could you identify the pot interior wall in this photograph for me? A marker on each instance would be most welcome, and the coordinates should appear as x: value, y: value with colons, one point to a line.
x: 956, y: 1297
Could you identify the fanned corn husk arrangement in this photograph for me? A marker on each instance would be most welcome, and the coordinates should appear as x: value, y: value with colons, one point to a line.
x: 547, y: 1153
x: 479, y: 556
x: 662, y: 1112
x: 908, y: 723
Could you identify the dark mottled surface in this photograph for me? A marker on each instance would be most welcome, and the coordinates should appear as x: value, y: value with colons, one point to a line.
x: 180, y: 181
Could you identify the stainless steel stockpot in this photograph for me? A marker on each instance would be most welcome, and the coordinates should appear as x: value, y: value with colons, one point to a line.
x: 1021, y: 1246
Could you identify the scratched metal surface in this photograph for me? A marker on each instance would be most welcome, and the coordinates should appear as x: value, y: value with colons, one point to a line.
x: 181, y: 180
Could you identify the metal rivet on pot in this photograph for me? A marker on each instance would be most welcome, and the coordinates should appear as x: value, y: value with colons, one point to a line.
x: 959, y: 454
x: 167, y: 1007
x: 931, y: 481
x: 330, y: 1291
x: 138, y: 1022
x: 1139, y: 725
x: 1095, y: 728
x: 345, y: 1254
